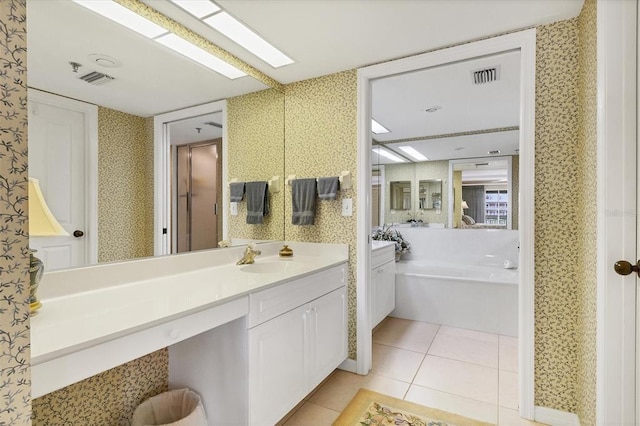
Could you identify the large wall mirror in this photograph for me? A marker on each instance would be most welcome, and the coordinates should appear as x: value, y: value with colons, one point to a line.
x: 453, y: 132
x: 105, y: 155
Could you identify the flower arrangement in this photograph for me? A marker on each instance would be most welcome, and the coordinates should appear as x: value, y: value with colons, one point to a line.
x: 391, y: 234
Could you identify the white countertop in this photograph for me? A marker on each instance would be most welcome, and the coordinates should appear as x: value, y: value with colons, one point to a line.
x: 378, y: 244
x: 87, y: 306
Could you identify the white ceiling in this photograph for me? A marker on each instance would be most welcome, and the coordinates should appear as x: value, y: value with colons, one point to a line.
x: 186, y: 131
x: 322, y: 36
x: 399, y: 103
x: 151, y: 80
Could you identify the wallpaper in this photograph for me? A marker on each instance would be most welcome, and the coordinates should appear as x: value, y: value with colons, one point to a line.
x: 587, y: 208
x: 106, y: 399
x: 15, y: 378
x: 255, y: 131
x: 125, y: 186
x: 321, y: 141
x: 556, y: 224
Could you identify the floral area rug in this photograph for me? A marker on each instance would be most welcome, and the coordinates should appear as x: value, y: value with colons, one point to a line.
x: 375, y: 409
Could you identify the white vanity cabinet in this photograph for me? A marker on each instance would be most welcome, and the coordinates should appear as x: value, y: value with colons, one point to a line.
x: 297, y: 336
x: 383, y: 283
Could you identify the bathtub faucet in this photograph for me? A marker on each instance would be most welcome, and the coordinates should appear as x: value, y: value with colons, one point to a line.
x: 249, y: 255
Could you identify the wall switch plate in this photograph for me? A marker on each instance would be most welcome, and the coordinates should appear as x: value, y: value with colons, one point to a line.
x: 347, y: 207
x: 234, y: 209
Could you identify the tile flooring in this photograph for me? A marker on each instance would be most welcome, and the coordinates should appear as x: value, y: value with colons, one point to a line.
x: 466, y: 372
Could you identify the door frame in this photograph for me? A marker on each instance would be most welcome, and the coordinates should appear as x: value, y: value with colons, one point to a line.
x: 617, y: 161
x: 162, y: 223
x: 525, y: 41
x: 90, y: 113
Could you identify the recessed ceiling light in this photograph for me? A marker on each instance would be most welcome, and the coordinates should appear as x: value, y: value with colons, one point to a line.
x: 198, y: 8
x: 387, y: 154
x: 105, y: 60
x: 495, y: 151
x: 123, y: 16
x: 413, y: 153
x: 239, y: 33
x: 378, y: 128
x: 433, y: 108
x: 199, y: 55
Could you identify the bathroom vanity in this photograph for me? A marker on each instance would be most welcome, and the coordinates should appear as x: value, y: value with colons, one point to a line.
x: 252, y: 340
x: 383, y: 280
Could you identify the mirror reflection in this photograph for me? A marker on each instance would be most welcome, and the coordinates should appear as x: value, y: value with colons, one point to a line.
x: 400, y: 198
x: 440, y: 126
x: 430, y: 194
x: 103, y: 187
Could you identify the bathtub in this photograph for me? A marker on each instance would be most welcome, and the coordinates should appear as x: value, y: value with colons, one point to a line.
x: 475, y: 297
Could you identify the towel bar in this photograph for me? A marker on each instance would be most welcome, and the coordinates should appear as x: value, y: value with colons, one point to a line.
x: 345, y: 179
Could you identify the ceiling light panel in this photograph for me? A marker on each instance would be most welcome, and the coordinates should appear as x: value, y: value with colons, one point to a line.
x: 413, y: 153
x: 199, y: 55
x: 198, y: 8
x: 239, y: 33
x: 378, y: 128
x: 388, y: 155
x: 123, y: 16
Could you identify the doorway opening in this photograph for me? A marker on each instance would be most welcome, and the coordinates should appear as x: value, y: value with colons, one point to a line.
x: 524, y: 43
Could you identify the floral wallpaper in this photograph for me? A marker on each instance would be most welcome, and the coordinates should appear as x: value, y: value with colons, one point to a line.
x: 255, y: 131
x: 321, y: 141
x: 106, y: 399
x: 125, y: 186
x: 15, y: 356
x: 587, y: 208
x: 556, y: 224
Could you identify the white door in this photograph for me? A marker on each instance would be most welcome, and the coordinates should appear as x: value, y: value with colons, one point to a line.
x: 617, y: 395
x: 58, y: 152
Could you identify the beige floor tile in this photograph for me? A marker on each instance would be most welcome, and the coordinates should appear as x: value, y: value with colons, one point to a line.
x: 508, y: 389
x: 507, y: 417
x: 395, y: 363
x: 466, y: 345
x: 405, y: 334
x: 508, y: 355
x: 459, y: 378
x: 312, y: 414
x: 336, y: 393
x: 468, y: 334
x: 471, y: 408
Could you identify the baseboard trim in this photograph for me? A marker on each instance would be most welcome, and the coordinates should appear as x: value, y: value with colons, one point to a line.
x: 349, y: 365
x: 556, y: 417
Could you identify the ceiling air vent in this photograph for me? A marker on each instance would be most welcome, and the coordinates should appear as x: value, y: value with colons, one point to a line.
x: 96, y: 78
x: 486, y: 75
x: 213, y: 124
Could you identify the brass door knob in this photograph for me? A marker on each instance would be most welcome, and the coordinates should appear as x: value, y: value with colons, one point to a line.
x: 78, y: 233
x: 623, y: 267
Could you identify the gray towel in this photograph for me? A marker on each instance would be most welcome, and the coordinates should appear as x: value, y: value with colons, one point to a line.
x: 328, y: 188
x: 303, y: 200
x: 257, y: 202
x: 236, y: 191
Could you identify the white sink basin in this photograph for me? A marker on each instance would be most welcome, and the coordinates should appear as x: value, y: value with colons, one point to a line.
x: 271, y: 267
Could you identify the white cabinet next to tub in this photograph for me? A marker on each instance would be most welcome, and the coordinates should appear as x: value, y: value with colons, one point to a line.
x: 383, y: 282
x: 297, y: 337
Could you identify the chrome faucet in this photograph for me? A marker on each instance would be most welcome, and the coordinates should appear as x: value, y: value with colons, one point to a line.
x: 249, y: 255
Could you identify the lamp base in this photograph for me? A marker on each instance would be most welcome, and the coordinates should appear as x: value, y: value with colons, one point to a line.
x: 36, y: 269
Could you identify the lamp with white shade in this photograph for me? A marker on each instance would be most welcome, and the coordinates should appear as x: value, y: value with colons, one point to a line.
x: 464, y: 205
x: 42, y: 223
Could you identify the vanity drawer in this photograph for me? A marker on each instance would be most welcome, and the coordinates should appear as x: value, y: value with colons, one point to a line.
x: 382, y: 255
x: 275, y: 301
